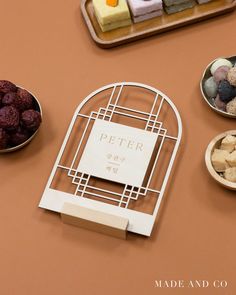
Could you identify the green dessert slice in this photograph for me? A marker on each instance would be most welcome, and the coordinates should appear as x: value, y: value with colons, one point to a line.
x: 180, y: 7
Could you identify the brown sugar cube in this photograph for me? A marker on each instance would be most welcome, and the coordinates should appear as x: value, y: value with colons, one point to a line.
x: 228, y: 143
x: 230, y: 174
x: 231, y: 159
x: 218, y: 160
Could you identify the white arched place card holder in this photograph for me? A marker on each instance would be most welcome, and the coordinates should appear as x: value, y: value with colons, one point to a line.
x: 114, y: 164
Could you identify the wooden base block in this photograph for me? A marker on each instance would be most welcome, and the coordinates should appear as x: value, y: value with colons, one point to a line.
x: 101, y: 222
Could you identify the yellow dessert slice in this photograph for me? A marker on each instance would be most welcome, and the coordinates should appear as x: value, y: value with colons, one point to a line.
x: 218, y: 160
x: 107, y: 14
x: 115, y: 25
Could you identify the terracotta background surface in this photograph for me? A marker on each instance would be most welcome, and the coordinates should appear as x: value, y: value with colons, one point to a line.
x: 45, y: 47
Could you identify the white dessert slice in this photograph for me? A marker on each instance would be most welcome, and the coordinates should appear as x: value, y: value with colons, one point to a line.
x: 141, y: 7
x: 143, y: 10
x: 230, y: 174
x: 231, y: 159
x: 141, y: 18
x: 218, y: 160
x: 228, y: 143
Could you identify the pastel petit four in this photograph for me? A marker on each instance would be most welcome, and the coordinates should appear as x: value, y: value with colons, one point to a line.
x: 174, y: 6
x: 143, y: 10
x: 174, y: 2
x: 109, y: 17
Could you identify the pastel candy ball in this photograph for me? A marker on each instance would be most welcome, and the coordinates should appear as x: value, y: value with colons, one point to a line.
x: 210, y: 87
x: 221, y: 73
x: 231, y: 76
x: 226, y: 91
x: 220, y: 104
x: 219, y: 63
x: 231, y: 106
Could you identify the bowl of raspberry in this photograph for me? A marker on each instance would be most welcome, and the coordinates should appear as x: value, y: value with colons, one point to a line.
x: 20, y: 116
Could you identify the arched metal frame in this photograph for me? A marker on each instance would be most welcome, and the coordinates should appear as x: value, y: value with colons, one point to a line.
x: 139, y: 222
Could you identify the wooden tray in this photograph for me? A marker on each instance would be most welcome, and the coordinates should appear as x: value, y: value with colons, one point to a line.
x: 154, y: 26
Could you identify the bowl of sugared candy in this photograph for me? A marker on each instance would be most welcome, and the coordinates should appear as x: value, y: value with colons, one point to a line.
x: 20, y: 116
x: 220, y: 158
x: 218, y: 86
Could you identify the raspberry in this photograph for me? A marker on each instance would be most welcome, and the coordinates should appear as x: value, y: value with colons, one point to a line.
x: 3, y: 139
x: 31, y: 120
x: 7, y: 86
x: 11, y: 99
x: 19, y: 136
x: 26, y: 99
x: 9, y: 118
